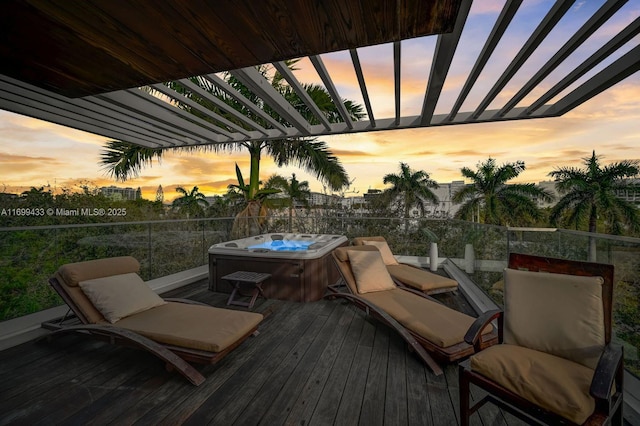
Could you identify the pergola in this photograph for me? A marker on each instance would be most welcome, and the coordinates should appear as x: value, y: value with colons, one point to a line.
x: 84, y: 64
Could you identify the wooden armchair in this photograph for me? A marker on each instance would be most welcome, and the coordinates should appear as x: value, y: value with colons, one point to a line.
x: 556, y: 363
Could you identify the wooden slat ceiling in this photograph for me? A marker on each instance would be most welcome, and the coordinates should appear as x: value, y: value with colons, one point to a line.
x: 86, y: 47
x: 54, y: 51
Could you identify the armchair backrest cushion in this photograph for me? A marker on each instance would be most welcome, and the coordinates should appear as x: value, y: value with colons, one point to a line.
x: 558, y: 314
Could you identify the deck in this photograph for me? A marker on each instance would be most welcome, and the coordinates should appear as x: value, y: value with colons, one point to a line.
x: 318, y: 363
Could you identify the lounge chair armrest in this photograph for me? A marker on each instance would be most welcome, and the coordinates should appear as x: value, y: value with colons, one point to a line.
x: 475, y: 331
x: 609, y: 366
x: 187, y: 301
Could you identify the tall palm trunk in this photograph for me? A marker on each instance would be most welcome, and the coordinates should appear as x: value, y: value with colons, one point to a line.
x: 407, y: 205
x: 250, y: 221
x: 593, y: 217
x: 254, y: 173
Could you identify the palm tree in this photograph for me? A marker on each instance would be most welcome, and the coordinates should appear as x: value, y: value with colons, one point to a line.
x: 412, y: 188
x: 191, y: 202
x: 493, y: 200
x: 37, y: 197
x: 294, y: 191
x: 251, y: 219
x: 123, y: 160
x: 591, y: 192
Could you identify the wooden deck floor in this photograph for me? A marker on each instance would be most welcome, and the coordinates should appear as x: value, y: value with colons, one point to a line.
x: 318, y: 363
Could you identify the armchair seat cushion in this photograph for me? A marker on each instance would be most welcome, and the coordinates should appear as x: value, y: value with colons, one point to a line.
x: 192, y: 326
x: 434, y: 322
x: 556, y: 384
x: 420, y: 279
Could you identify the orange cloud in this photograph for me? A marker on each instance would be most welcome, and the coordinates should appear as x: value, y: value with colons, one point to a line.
x: 346, y: 153
x: 20, y: 166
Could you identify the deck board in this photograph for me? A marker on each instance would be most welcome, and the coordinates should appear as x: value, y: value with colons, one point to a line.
x: 351, y: 402
x: 372, y: 410
x: 288, y: 382
x: 304, y: 405
x: 316, y: 363
x: 329, y: 401
x: 418, y: 401
x: 395, y: 409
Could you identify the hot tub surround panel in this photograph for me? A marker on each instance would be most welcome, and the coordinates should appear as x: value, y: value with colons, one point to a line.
x: 301, y: 276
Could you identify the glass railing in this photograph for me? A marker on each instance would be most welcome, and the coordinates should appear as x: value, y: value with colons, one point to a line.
x: 30, y: 255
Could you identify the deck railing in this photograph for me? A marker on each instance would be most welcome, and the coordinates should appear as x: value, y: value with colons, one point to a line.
x: 29, y: 255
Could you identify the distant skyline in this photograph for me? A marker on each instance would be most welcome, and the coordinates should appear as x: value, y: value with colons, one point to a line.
x: 36, y: 153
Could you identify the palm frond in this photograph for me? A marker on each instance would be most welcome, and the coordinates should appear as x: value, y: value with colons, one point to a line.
x: 313, y: 156
x: 123, y: 160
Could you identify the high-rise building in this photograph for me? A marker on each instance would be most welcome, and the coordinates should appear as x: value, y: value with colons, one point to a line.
x: 121, y: 193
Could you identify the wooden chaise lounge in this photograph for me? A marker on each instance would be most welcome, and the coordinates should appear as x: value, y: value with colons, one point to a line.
x: 434, y: 331
x: 408, y: 275
x: 111, y: 301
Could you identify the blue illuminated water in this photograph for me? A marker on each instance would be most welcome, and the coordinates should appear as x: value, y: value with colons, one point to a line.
x: 283, y: 245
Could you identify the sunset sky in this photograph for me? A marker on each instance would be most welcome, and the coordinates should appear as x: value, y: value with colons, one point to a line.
x: 37, y: 153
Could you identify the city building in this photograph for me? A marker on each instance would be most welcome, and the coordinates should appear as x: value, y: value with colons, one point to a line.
x: 121, y: 193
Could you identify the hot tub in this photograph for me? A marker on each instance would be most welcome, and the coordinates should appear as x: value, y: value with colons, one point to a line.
x: 300, y: 265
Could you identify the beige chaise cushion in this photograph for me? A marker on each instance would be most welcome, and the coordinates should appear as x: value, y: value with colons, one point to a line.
x: 369, y: 271
x: 555, y: 313
x: 556, y: 384
x: 406, y: 274
x: 192, y: 326
x: 70, y: 274
x: 420, y: 279
x: 436, y: 323
x: 73, y: 273
x: 385, y: 251
x: 119, y: 296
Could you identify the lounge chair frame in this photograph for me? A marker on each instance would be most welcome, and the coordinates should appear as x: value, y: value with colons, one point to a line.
x: 608, y: 375
x: 430, y: 353
x: 175, y: 357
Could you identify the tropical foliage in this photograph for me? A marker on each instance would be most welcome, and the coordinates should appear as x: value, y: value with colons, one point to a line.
x: 592, y: 192
x: 294, y: 191
x: 489, y: 199
x: 411, y: 188
x: 251, y: 219
x: 191, y: 202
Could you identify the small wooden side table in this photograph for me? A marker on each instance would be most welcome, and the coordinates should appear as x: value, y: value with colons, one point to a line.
x: 255, y: 279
